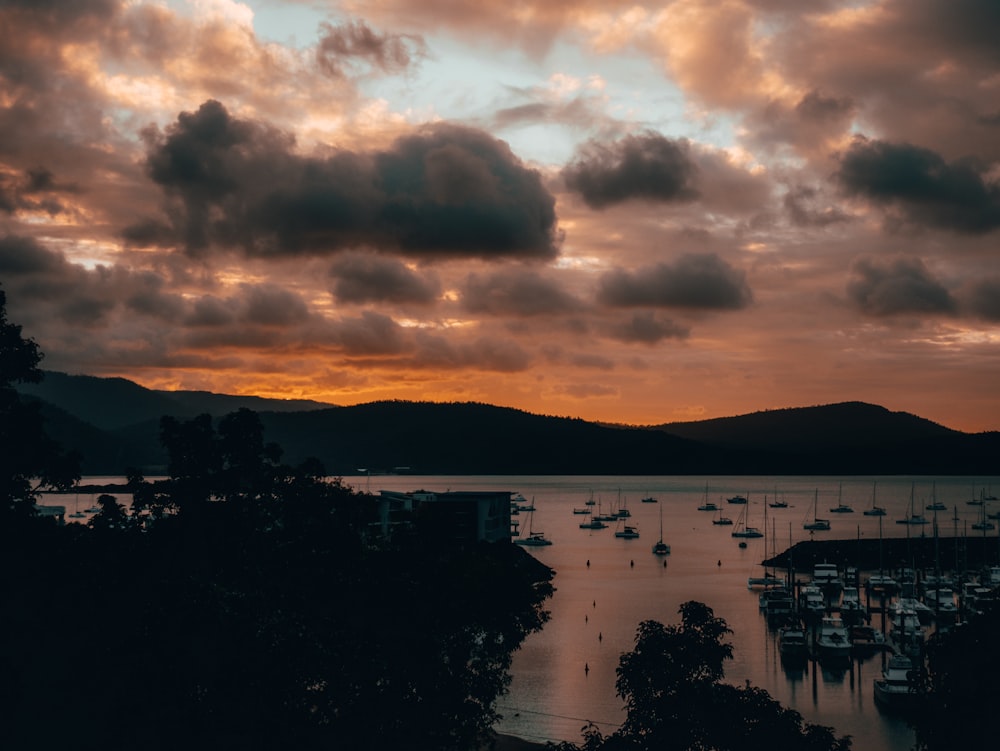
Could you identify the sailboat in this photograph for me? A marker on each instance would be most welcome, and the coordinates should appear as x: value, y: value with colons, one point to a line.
x: 707, y: 505
x: 661, y: 548
x: 841, y: 507
x: 983, y: 525
x: 534, y: 539
x: 722, y: 520
x: 817, y: 524
x: 935, y: 504
x: 77, y: 514
x: 742, y: 530
x: 874, y: 510
x: 912, y: 517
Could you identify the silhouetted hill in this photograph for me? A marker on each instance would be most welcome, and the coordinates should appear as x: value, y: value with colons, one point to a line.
x: 114, y: 423
x: 111, y: 403
x: 472, y: 438
x: 810, y: 429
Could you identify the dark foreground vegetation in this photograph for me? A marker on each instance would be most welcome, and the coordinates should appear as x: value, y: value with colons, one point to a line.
x: 246, y: 603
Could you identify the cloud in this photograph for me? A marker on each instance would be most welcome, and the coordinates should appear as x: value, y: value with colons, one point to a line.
x: 365, y: 277
x: 517, y: 293
x: 982, y: 298
x: 903, y: 285
x: 25, y: 255
x: 958, y: 196
x: 343, y: 48
x: 646, y: 328
x: 647, y: 166
x: 694, y: 281
x: 443, y: 191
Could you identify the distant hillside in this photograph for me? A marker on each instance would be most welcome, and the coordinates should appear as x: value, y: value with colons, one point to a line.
x: 114, y: 424
x: 810, y: 429
x: 111, y: 403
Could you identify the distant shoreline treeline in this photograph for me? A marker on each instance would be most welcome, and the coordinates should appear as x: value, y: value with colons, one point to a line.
x: 950, y: 553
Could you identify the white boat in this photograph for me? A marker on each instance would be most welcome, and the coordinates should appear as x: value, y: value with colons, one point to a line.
x: 851, y: 608
x: 831, y: 642
x: 897, y: 688
x: 827, y: 577
x: 811, y: 601
x: 661, y: 548
x: 792, y: 643
x: 941, y: 601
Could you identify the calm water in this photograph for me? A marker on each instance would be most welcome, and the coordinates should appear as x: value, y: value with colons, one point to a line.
x: 596, y: 608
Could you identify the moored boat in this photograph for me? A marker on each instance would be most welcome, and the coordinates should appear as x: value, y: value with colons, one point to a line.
x: 831, y: 642
x: 896, y: 690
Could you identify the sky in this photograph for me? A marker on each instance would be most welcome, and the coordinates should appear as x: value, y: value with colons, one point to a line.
x: 631, y: 212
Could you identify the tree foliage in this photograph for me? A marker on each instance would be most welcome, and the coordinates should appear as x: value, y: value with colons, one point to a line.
x: 29, y: 459
x: 674, y: 696
x: 243, y: 604
x: 960, y: 691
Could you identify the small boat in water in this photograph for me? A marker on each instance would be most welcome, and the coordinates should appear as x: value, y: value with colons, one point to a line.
x: 874, y: 510
x: 817, y: 524
x: 832, y: 643
x: 896, y: 690
x: 841, y: 507
x: 627, y: 533
x: 792, y: 643
x: 661, y: 548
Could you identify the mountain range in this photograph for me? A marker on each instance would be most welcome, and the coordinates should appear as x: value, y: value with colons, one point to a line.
x: 114, y: 424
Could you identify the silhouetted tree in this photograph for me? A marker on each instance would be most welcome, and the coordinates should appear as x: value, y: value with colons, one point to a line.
x: 961, y: 687
x: 29, y: 460
x: 671, y: 684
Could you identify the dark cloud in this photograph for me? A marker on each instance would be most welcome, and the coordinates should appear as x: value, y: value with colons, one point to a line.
x: 342, y: 49
x: 819, y: 108
x: 370, y: 333
x: 517, y: 293
x: 647, y: 166
x: 36, y: 190
x: 804, y: 207
x: 983, y: 299
x: 696, y: 281
x: 365, y: 277
x: 486, y: 353
x: 646, y: 328
x: 210, y: 311
x: 903, y: 285
x: 268, y: 305
x: 25, y: 255
x: 958, y: 196
x: 445, y: 191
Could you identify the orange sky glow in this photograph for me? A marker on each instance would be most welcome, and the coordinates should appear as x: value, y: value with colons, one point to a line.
x: 631, y: 212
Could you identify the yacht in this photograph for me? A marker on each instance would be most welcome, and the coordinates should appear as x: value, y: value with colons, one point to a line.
x: 896, y: 689
x: 831, y: 642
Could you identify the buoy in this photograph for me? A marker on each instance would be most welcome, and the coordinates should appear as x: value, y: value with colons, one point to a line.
x: 632, y: 564
x: 588, y: 563
x: 586, y: 668
x: 600, y: 636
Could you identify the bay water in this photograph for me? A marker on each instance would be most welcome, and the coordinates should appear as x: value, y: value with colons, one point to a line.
x: 563, y: 676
